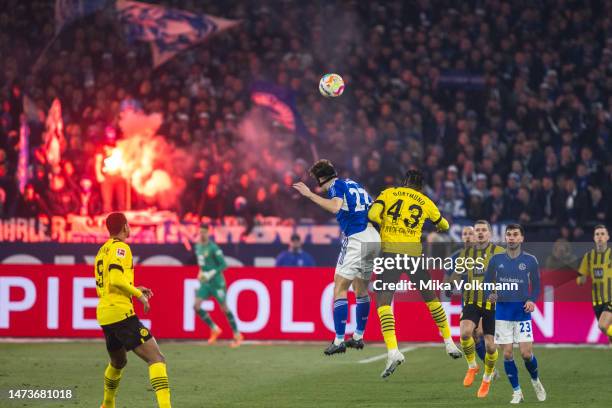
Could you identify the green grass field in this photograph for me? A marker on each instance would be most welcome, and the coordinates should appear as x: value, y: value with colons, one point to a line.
x: 297, y: 376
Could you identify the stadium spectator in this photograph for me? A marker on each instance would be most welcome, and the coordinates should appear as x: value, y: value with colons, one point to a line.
x: 295, y: 255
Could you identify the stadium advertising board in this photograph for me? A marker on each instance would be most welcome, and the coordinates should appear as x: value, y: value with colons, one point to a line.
x: 269, y: 304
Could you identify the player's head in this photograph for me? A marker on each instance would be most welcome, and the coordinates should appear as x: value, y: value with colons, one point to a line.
x: 204, y: 233
x: 413, y: 179
x: 296, y: 242
x: 601, y: 235
x: 467, y: 235
x: 515, y: 235
x: 482, y: 230
x: 117, y: 225
x: 324, y: 172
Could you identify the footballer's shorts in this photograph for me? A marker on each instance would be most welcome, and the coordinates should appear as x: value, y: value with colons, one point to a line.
x: 214, y: 288
x: 604, y: 307
x: 356, y: 259
x: 513, y: 332
x: 128, y: 333
x: 420, y: 278
x: 474, y: 313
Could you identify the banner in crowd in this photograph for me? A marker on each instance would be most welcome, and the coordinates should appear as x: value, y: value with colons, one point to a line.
x: 269, y: 304
x: 168, y: 30
x: 164, y: 227
x: 280, y: 102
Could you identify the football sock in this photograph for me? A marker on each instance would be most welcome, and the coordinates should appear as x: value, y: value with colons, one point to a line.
x: 490, y: 360
x: 512, y: 373
x: 159, y: 381
x: 439, y: 316
x: 609, y: 331
x: 481, y: 350
x: 112, y: 376
x: 232, y: 321
x: 468, y: 350
x: 340, y: 316
x: 387, y: 326
x: 206, y: 318
x: 363, y: 310
x: 532, y: 366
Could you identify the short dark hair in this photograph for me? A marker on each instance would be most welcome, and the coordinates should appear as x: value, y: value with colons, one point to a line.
x: 519, y: 227
x: 600, y: 226
x: 323, y: 169
x: 413, y: 179
x: 115, y: 223
x: 485, y: 222
x: 204, y: 226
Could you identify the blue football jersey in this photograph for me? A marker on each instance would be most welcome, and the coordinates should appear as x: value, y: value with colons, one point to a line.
x: 522, y: 270
x: 353, y: 215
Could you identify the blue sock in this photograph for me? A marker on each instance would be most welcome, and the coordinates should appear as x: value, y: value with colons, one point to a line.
x: 532, y: 367
x: 340, y: 316
x: 481, y: 350
x: 363, y: 311
x: 512, y: 373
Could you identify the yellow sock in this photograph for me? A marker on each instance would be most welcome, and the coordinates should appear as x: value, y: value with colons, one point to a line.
x: 439, y: 316
x: 469, y: 350
x: 387, y: 326
x: 112, y: 376
x: 159, y: 381
x: 609, y: 331
x: 490, y: 360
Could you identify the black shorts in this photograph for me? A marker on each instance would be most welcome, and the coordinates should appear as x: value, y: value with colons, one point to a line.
x: 604, y: 307
x: 418, y: 277
x: 129, y: 333
x: 474, y: 313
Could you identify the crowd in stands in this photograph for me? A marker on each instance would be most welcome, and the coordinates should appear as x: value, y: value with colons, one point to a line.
x: 506, y: 105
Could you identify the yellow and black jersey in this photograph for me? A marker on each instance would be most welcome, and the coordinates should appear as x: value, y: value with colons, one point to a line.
x: 598, y: 266
x: 114, y: 272
x: 477, y: 273
x: 401, y: 213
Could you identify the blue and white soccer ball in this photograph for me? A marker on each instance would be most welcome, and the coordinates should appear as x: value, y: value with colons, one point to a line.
x: 331, y: 85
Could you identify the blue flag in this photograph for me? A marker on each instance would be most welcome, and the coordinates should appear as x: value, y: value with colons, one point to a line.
x: 280, y: 102
x: 168, y: 30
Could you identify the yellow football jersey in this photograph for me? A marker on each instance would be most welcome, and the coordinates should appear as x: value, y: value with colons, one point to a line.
x: 476, y: 296
x: 598, y: 265
x: 114, y: 272
x: 401, y: 213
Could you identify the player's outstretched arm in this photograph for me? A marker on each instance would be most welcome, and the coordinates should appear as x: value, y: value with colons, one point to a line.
x: 375, y: 211
x: 117, y: 280
x: 332, y: 205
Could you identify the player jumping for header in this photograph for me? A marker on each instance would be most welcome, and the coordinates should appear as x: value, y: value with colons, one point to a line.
x: 401, y: 212
x: 513, y: 308
x: 350, y: 202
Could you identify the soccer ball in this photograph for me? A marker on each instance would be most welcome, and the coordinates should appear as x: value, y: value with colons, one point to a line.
x: 331, y: 85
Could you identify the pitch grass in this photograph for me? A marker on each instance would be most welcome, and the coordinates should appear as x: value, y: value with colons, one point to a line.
x: 297, y: 376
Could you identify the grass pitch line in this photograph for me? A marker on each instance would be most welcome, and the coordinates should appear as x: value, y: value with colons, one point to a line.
x: 383, y: 356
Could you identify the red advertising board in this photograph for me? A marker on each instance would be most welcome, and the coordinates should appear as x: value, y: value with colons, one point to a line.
x: 269, y: 303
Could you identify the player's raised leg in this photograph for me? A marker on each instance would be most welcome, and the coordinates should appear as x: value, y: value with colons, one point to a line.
x: 605, y: 321
x: 437, y: 313
x: 468, y: 345
x: 215, y: 331
x: 149, y: 351
x: 531, y: 364
x: 487, y: 324
x: 112, y: 376
x: 360, y: 286
x: 341, y: 285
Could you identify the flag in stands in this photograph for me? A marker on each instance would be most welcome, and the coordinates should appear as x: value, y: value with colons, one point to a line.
x: 168, y: 30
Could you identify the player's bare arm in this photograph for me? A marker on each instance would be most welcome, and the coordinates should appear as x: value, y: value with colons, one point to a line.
x: 332, y: 205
